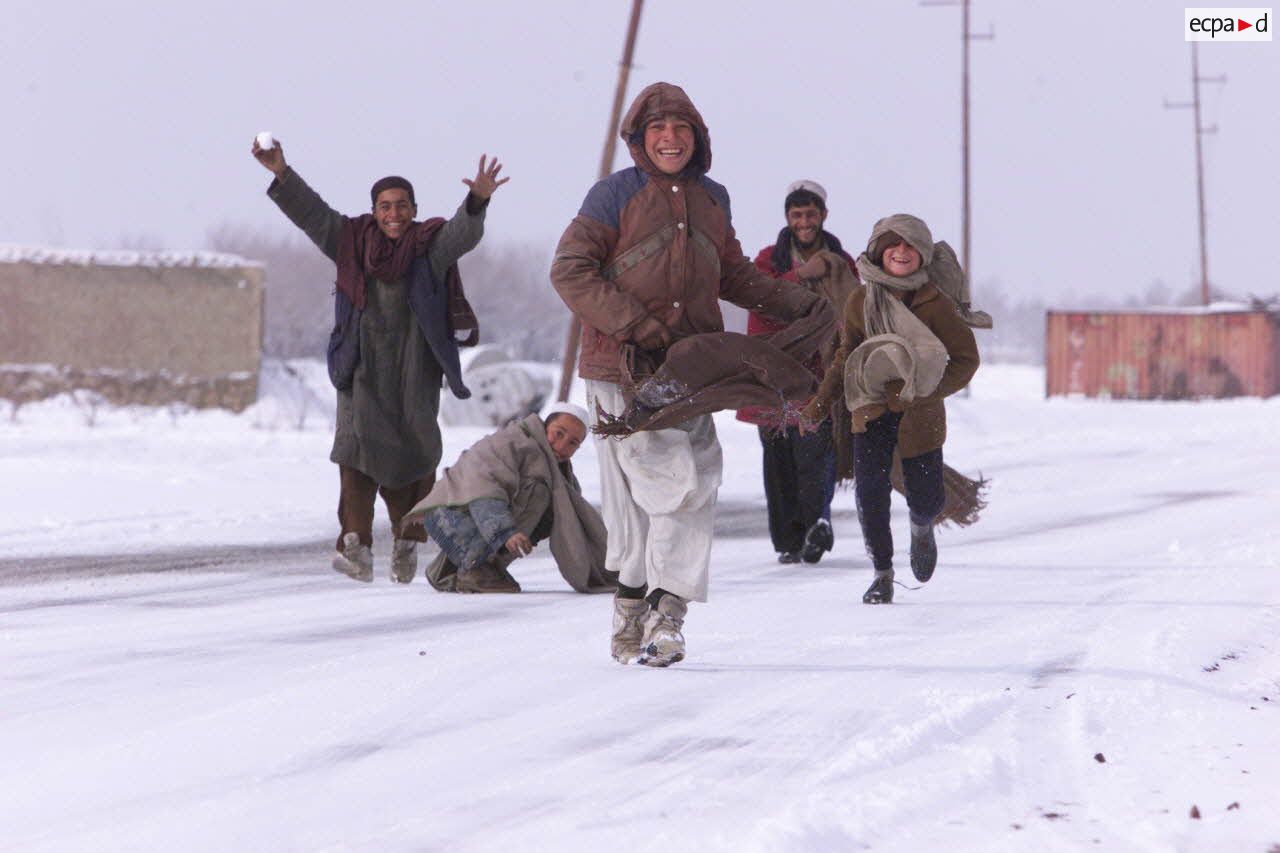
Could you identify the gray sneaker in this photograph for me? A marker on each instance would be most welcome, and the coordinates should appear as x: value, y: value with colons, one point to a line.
x: 354, y: 560
x: 628, y: 628
x: 662, y: 643
x: 404, y: 560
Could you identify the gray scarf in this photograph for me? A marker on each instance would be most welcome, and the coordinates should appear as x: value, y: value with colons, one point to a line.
x: 878, y: 312
x: 898, y: 345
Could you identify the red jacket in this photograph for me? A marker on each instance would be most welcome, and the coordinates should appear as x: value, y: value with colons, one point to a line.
x: 762, y: 324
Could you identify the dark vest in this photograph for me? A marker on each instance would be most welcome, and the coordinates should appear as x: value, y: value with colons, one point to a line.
x: 429, y: 302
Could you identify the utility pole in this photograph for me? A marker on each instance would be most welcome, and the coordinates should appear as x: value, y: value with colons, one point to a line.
x: 606, y: 168
x: 1200, y: 130
x: 965, y: 37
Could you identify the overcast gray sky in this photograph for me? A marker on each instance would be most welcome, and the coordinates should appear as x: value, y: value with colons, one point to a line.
x: 131, y: 121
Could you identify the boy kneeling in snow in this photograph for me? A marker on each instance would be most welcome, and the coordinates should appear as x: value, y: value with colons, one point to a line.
x: 507, y: 492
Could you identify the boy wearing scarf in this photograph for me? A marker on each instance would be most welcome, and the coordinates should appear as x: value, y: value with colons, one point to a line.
x: 507, y: 492
x: 904, y: 348
x: 800, y: 465
x: 400, y: 315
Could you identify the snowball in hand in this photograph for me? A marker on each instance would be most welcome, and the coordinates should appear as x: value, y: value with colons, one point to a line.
x: 266, y: 141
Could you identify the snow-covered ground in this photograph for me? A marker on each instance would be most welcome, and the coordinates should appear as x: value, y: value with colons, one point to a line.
x: 1096, y: 656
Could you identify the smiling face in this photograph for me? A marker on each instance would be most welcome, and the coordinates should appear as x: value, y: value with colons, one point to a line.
x: 900, y: 259
x: 565, y: 434
x: 393, y: 211
x: 805, y: 221
x: 669, y: 141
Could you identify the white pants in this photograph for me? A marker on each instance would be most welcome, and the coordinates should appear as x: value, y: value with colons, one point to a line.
x: 659, y: 499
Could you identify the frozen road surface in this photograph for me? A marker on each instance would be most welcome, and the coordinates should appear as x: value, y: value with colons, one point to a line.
x: 1096, y: 657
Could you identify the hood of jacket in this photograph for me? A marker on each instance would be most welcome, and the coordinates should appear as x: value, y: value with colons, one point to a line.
x: 659, y: 99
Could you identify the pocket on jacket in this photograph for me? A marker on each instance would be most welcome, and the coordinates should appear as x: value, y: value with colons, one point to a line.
x: 647, y: 248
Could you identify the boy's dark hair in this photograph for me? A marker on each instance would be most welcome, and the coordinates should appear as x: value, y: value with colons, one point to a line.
x: 391, y: 182
x: 803, y: 198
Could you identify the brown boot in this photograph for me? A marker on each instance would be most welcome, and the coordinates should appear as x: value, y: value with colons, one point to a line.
x: 489, y: 576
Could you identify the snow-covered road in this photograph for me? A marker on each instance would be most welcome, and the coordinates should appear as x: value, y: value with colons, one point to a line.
x: 1119, y: 598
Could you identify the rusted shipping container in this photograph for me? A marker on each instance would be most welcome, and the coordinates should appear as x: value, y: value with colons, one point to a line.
x: 1163, y: 354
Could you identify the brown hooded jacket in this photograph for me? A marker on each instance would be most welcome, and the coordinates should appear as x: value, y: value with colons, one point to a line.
x: 647, y: 244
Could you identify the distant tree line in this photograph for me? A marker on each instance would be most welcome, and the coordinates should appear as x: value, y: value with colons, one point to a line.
x: 509, y: 287
x: 507, y: 284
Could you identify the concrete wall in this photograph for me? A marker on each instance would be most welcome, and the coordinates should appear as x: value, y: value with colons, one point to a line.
x: 166, y: 328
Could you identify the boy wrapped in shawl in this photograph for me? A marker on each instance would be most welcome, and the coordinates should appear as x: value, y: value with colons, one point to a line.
x: 904, y: 348
x: 508, y: 483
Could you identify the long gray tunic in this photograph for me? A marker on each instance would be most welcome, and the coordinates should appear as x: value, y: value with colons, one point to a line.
x: 386, y: 423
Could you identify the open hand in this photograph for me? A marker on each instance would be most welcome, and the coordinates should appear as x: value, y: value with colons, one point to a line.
x: 519, y: 544
x: 272, y: 159
x: 486, y: 180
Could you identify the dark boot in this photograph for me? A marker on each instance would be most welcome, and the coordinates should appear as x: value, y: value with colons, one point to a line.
x: 489, y: 576
x: 818, y: 541
x: 442, y: 574
x: 788, y: 557
x: 924, y: 551
x: 881, y: 589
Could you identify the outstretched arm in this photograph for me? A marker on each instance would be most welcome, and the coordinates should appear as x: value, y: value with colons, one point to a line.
x: 462, y: 233
x: 298, y: 201
x: 747, y: 286
x: 486, y: 180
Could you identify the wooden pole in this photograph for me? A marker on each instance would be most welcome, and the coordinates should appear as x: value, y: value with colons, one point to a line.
x: 1195, y: 100
x: 966, y: 260
x: 606, y: 168
x: 966, y: 227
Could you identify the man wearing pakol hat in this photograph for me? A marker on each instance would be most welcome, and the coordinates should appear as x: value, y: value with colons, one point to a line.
x: 644, y: 265
x: 904, y: 347
x: 506, y: 493
x: 399, y: 317
x: 800, y: 464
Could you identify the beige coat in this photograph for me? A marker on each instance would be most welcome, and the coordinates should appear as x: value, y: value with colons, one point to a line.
x: 516, y: 465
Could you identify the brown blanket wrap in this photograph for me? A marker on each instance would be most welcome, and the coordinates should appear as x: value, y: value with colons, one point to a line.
x: 712, y: 371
